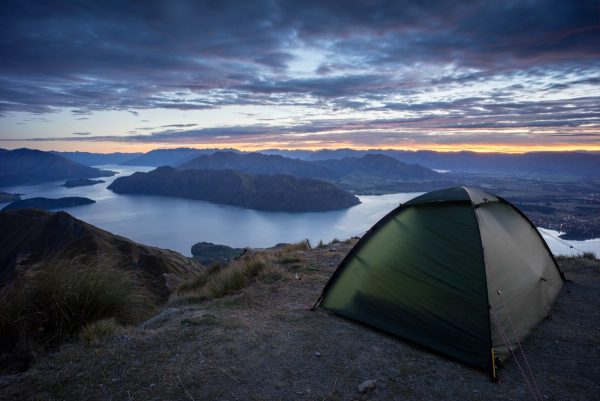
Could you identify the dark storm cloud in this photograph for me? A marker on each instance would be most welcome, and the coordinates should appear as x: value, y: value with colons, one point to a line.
x: 485, y: 34
x: 99, y: 55
x: 325, y: 87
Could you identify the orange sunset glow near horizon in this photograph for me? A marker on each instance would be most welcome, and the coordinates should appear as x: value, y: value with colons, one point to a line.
x: 248, y: 147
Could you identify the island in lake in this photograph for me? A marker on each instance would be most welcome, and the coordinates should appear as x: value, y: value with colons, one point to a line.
x: 48, y: 203
x: 273, y: 193
x: 82, y: 182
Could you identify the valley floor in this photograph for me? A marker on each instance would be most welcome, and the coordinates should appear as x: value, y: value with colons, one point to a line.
x: 265, y: 344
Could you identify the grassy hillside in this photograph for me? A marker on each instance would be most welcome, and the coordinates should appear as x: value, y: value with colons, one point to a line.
x: 59, y: 274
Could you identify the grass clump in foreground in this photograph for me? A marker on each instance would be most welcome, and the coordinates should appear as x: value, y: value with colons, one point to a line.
x: 54, y: 303
x: 218, y: 282
x: 95, y: 331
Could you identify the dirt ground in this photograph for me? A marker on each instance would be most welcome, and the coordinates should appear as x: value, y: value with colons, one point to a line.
x: 265, y: 344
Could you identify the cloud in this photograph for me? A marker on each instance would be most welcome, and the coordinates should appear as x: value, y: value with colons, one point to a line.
x: 81, y: 133
x: 198, y: 55
x: 178, y: 125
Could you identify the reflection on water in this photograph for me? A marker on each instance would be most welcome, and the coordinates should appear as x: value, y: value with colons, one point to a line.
x: 179, y: 223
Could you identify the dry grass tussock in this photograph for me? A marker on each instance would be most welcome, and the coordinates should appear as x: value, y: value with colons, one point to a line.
x: 100, y: 329
x: 54, y: 303
x: 219, y: 281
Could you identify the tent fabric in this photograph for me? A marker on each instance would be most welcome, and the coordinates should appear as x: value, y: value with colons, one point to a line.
x: 523, y: 279
x: 454, y: 270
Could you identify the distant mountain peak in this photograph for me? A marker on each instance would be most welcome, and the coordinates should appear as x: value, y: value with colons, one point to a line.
x: 26, y: 166
x: 377, y: 165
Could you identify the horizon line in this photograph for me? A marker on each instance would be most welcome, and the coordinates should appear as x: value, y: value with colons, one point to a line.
x: 437, y: 149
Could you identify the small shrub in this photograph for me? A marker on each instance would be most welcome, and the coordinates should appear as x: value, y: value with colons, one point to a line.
x: 98, y: 330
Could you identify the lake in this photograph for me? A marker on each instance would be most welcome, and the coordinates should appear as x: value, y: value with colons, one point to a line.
x: 179, y: 223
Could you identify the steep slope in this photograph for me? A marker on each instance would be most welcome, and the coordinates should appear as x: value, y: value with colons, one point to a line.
x: 275, y: 193
x: 27, y: 166
x: 35, y: 239
x: 374, y: 165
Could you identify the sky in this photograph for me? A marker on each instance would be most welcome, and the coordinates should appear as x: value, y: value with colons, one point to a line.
x: 104, y: 76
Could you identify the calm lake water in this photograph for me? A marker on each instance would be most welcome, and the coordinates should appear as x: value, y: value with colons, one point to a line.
x: 179, y: 223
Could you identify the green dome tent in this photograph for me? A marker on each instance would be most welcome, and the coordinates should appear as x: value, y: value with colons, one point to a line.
x: 458, y: 270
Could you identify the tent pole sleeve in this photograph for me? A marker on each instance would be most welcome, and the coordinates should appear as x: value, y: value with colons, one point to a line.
x: 493, y: 364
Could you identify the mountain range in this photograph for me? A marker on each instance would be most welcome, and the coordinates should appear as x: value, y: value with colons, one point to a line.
x: 98, y: 159
x: 374, y: 165
x: 357, y: 170
x: 573, y: 163
x: 6, y: 197
x: 541, y: 163
x: 28, y: 166
x: 261, y: 192
x: 168, y: 157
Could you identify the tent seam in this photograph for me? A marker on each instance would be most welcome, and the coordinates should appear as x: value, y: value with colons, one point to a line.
x: 487, y: 295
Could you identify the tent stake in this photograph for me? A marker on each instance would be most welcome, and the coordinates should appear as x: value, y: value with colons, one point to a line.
x: 494, y: 378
